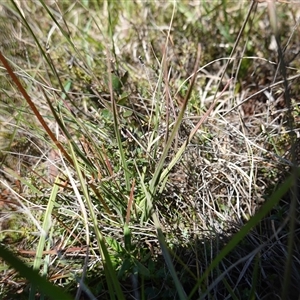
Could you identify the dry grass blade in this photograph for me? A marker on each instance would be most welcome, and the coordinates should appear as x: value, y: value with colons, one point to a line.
x: 33, y: 107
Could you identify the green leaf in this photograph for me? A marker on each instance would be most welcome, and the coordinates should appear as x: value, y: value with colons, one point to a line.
x: 142, y: 269
x: 52, y: 291
x: 126, y: 266
x: 127, y: 237
x: 46, y: 226
x: 118, y: 82
x: 115, y: 245
x: 237, y: 238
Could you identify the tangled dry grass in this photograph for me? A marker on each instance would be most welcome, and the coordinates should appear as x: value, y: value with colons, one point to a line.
x: 234, y: 162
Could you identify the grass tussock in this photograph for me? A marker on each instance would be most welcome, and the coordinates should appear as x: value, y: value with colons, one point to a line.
x: 149, y: 155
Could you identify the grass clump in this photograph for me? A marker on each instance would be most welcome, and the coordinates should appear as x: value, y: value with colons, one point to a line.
x: 148, y: 155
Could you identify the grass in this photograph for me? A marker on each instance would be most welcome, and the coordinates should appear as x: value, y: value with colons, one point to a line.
x: 149, y: 155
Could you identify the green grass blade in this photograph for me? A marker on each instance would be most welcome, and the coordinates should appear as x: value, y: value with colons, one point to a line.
x: 45, y: 230
x: 111, y: 276
x: 52, y: 291
x: 119, y: 142
x: 181, y: 293
x: 155, y: 180
x: 267, y: 206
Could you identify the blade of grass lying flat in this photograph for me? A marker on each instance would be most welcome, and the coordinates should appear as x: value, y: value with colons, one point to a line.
x: 52, y: 291
x: 45, y: 229
x: 267, y: 206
